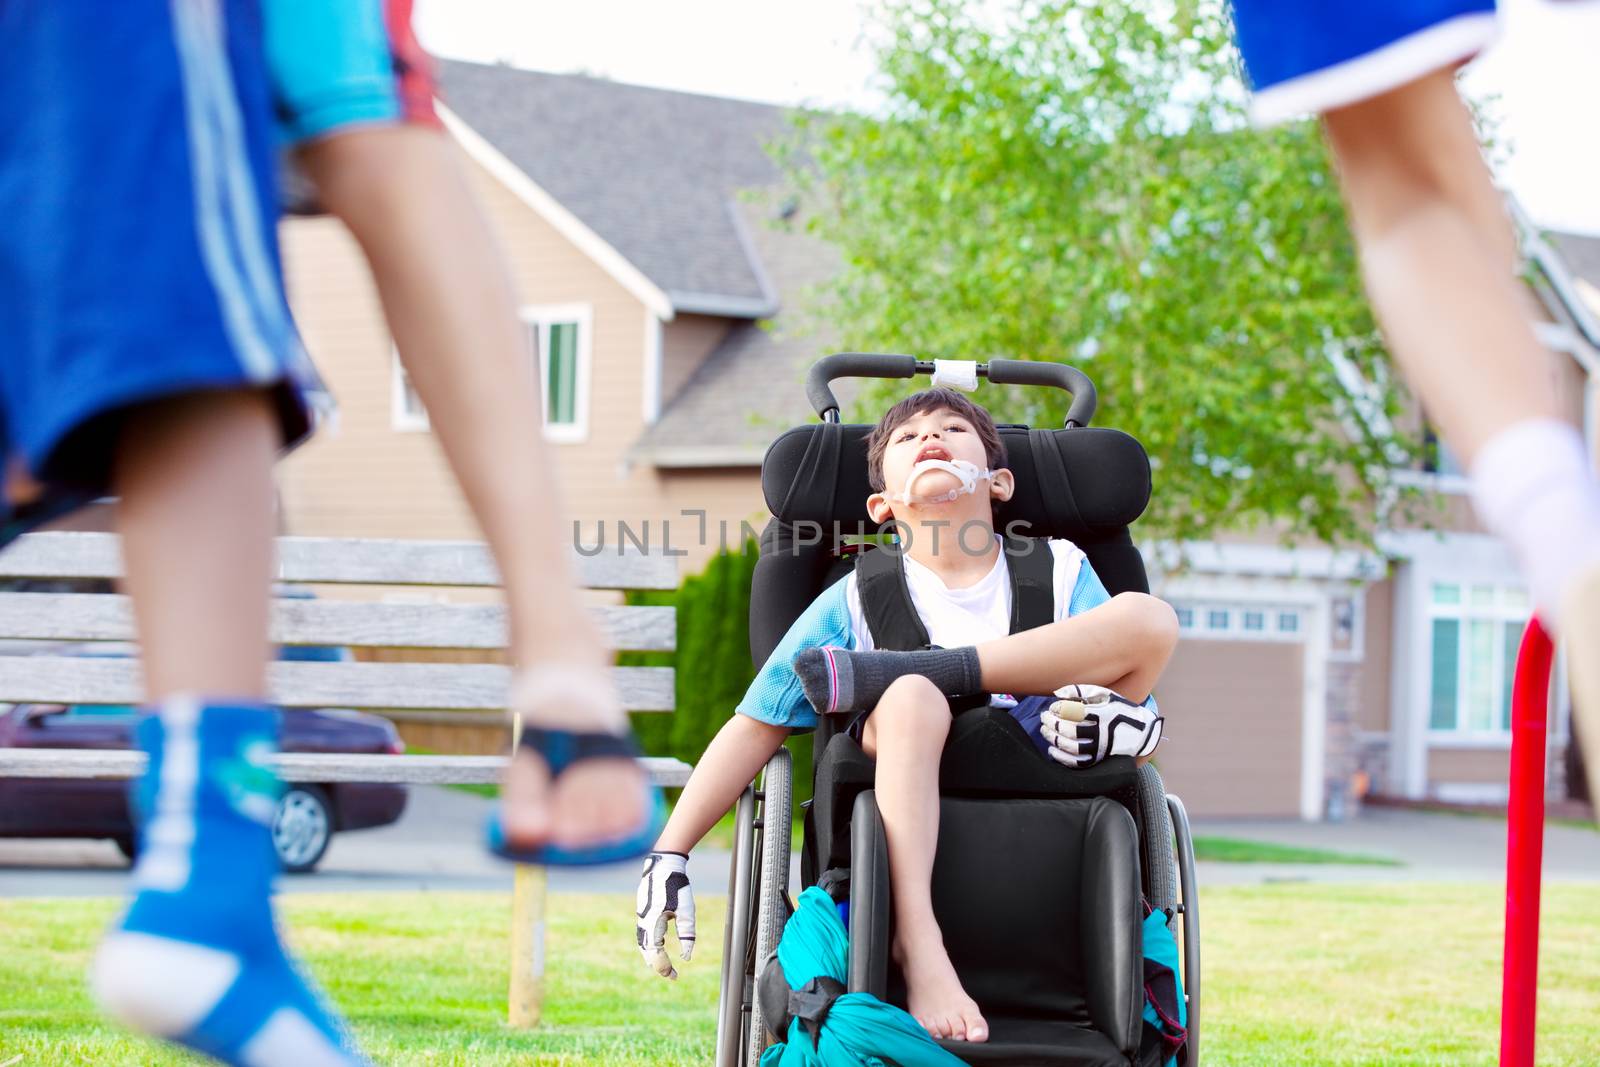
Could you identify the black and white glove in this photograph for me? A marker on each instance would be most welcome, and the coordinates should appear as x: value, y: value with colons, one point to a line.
x: 1087, y: 723
x: 664, y: 894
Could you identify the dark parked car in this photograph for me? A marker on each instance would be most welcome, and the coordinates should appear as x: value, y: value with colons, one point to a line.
x: 308, y: 815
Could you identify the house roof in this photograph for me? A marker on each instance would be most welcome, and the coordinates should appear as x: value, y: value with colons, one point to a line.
x: 1575, y: 277
x: 654, y: 173
x: 751, y: 387
x: 1581, y: 254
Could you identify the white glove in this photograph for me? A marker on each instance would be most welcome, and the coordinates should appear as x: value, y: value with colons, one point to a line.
x: 1090, y: 722
x: 664, y: 893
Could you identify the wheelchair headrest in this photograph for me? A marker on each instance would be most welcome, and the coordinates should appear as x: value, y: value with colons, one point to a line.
x: 1073, y: 483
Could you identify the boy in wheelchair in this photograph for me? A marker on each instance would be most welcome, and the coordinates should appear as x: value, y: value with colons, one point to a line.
x: 1082, y: 683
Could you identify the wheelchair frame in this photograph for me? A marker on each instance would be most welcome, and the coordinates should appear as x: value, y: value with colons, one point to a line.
x: 759, y: 905
x: 758, y: 881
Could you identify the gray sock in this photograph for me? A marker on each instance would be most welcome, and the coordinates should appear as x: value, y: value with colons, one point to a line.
x: 836, y: 679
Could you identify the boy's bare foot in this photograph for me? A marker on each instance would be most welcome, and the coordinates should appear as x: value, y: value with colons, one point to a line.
x: 935, y: 997
x: 594, y: 800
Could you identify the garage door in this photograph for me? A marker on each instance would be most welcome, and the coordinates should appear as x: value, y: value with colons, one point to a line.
x: 1233, y: 727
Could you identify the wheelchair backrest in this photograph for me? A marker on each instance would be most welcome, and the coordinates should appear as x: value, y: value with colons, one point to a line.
x: 1085, y: 484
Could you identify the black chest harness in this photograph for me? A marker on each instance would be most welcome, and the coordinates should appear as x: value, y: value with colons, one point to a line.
x: 892, y: 617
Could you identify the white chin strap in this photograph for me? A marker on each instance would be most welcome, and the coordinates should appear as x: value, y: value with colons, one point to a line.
x: 969, y: 473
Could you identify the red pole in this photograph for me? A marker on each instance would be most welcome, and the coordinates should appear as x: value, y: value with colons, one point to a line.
x: 1530, y: 702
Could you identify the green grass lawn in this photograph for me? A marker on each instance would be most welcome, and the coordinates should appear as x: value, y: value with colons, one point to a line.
x: 1236, y: 850
x: 1295, y: 974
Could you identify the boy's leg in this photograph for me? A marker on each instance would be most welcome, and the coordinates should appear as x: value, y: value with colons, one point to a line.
x: 906, y: 734
x: 1439, y: 254
x: 196, y: 958
x: 194, y: 478
x: 1123, y: 644
x: 446, y: 293
x: 1439, y: 258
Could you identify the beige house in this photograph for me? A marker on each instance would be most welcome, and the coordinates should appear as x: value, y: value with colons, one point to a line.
x: 645, y: 276
x: 646, y: 231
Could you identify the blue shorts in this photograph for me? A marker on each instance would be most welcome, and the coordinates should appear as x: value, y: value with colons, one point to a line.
x: 1312, y: 57
x: 1027, y: 713
x: 138, y: 252
x: 341, y: 64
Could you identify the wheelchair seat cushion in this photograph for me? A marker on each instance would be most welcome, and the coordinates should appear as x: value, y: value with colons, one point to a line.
x: 988, y: 755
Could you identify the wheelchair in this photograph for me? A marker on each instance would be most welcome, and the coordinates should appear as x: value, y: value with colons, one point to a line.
x: 1051, y: 951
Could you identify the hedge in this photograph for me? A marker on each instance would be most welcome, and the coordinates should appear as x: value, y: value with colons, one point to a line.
x: 713, y: 665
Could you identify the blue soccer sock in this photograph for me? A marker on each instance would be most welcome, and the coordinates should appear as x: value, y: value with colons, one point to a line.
x: 196, y: 959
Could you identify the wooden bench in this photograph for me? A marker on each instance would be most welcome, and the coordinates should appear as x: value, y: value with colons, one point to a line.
x: 417, y: 691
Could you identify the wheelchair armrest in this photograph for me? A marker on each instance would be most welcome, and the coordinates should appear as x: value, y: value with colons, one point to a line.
x: 870, y: 914
x: 1110, y: 924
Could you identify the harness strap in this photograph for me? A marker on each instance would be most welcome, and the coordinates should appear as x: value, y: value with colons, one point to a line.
x: 1055, y: 488
x: 812, y: 1002
x: 1033, y: 582
x: 886, y: 601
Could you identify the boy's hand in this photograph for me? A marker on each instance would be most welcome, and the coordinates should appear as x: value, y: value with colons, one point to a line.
x: 1090, y: 722
x: 664, y: 893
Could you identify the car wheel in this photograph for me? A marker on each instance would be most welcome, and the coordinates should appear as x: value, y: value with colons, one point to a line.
x: 128, y: 845
x: 302, y: 827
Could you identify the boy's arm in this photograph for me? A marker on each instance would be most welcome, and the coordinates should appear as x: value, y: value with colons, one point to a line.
x: 1088, y: 593
x: 774, y: 706
x: 731, y: 762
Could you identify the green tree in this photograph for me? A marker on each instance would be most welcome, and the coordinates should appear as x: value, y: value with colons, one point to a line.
x: 712, y: 661
x: 1075, y: 181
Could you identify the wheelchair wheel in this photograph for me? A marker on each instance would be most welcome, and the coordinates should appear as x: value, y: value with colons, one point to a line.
x: 772, y: 888
x: 1190, y: 910
x: 758, y: 907
x: 1156, y: 840
x: 736, y: 995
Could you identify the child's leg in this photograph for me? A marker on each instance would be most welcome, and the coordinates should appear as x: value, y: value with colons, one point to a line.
x: 194, y: 479
x: 448, y: 299
x: 906, y: 735
x: 1439, y: 254
x: 1123, y: 644
x: 196, y: 958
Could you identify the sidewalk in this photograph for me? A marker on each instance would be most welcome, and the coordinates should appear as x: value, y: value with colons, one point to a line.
x: 1433, y: 846
x: 438, y: 846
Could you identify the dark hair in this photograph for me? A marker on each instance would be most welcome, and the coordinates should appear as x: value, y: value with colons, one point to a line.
x: 920, y: 404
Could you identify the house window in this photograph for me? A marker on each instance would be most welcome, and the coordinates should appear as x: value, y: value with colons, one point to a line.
x: 406, y: 414
x: 1222, y: 621
x: 559, y: 338
x: 1475, y: 629
x: 1437, y: 457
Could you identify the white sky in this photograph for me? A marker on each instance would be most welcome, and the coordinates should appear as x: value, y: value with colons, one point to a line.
x: 810, y: 51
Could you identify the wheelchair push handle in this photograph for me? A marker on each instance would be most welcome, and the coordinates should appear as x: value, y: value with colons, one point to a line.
x: 999, y: 371
x: 1060, y: 375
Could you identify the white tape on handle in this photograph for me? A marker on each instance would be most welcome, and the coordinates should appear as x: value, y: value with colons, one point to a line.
x: 959, y: 374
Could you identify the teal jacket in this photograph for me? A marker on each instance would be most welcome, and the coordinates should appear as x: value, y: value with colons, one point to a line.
x: 860, y: 1030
